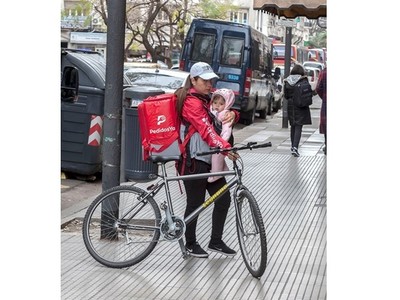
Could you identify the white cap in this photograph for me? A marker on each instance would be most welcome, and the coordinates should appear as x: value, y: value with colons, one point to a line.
x: 202, y: 70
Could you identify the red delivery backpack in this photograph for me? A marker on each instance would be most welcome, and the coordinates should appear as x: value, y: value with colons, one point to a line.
x: 159, y: 127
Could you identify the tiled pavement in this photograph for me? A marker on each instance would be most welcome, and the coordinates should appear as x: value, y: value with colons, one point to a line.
x: 291, y: 193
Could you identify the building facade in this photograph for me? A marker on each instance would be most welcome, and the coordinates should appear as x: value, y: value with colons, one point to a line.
x: 82, y: 28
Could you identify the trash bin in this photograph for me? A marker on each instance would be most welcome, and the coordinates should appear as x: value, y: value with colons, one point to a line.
x: 136, y: 169
x: 80, y: 136
x: 82, y: 120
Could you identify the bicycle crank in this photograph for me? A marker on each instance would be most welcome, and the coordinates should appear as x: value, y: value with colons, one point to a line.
x: 173, y: 231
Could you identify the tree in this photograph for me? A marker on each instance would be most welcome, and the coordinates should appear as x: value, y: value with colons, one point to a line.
x: 317, y: 35
x: 215, y: 9
x: 160, y: 25
x: 319, y: 40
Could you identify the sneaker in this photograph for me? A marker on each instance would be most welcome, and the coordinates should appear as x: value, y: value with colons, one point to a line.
x: 221, y: 248
x: 295, y: 152
x: 195, y: 250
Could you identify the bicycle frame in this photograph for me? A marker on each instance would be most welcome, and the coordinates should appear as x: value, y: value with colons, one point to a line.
x: 235, y: 181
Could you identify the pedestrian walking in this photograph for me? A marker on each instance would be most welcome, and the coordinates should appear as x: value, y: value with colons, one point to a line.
x: 297, y: 115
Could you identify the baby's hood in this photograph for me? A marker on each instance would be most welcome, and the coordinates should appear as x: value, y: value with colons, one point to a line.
x: 227, y: 94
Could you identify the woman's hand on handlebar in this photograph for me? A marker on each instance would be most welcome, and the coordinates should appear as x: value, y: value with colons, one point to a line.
x: 233, y: 156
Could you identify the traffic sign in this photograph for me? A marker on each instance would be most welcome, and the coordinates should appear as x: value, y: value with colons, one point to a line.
x: 286, y: 23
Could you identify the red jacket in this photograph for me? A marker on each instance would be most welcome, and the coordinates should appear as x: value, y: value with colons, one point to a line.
x: 195, y: 112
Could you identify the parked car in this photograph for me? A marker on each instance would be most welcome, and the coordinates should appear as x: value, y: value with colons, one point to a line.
x: 314, y: 64
x: 136, y: 64
x: 312, y: 74
x: 164, y: 79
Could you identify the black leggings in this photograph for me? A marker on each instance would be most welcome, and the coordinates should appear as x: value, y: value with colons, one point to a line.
x: 295, y: 135
x: 195, y: 193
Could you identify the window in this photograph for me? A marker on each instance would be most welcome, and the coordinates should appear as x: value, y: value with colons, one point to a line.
x: 279, y: 51
x: 232, y: 51
x: 239, y: 16
x: 203, y: 47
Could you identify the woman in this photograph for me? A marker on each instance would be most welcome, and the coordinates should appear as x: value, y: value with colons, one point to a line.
x: 298, y: 116
x: 321, y: 91
x: 193, y: 108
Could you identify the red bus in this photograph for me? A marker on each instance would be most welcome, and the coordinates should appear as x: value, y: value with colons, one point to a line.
x: 298, y: 54
x: 316, y: 54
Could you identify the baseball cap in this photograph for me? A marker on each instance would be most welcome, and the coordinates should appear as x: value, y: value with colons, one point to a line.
x: 202, y: 70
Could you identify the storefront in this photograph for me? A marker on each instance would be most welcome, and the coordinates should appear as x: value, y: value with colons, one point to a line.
x: 95, y: 41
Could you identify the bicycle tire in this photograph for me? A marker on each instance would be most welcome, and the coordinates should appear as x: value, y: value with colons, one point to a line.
x: 251, y: 234
x: 115, y: 227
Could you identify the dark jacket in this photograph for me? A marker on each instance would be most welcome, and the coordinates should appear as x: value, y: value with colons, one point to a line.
x: 296, y: 115
x: 321, y: 91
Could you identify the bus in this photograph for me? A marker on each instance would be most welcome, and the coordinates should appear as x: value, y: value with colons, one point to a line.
x: 316, y: 54
x: 298, y: 54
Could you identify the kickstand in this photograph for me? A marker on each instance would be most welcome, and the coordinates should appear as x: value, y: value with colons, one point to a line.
x: 185, y: 254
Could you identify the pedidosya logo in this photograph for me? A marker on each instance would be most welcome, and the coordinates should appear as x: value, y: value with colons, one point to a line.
x: 161, y: 119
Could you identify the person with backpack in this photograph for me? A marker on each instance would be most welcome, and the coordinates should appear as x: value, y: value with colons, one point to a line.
x: 298, y: 93
x: 193, y: 102
x: 221, y: 102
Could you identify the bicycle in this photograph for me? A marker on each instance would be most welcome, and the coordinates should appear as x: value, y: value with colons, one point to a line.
x: 123, y: 225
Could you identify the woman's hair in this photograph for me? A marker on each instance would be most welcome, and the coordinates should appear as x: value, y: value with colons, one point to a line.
x: 297, y: 70
x: 181, y: 94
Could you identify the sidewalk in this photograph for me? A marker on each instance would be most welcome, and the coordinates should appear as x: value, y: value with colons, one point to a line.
x: 291, y: 193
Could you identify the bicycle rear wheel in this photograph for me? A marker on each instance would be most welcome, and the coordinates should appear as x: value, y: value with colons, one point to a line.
x: 121, y: 229
x: 251, y: 233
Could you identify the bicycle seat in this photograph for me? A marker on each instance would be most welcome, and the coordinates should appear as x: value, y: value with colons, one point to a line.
x: 163, y: 158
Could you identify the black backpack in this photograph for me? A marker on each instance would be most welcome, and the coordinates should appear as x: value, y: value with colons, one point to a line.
x: 302, y: 94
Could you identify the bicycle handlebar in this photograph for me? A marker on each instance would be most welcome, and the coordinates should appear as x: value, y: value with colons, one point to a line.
x: 249, y: 145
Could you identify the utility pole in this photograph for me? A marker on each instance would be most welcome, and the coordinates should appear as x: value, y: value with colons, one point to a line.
x: 288, y: 58
x: 113, y: 94
x: 113, y: 112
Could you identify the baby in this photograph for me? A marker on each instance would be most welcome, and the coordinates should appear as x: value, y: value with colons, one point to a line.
x: 221, y: 101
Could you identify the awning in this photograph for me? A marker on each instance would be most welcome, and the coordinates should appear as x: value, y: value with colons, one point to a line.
x: 311, y: 9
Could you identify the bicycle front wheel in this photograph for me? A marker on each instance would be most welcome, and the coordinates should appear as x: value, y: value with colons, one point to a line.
x: 251, y: 233
x: 120, y: 228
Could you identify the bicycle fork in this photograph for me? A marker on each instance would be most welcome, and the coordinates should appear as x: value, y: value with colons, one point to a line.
x: 172, y: 227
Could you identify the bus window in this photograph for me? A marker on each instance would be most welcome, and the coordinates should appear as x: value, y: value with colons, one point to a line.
x: 279, y: 51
